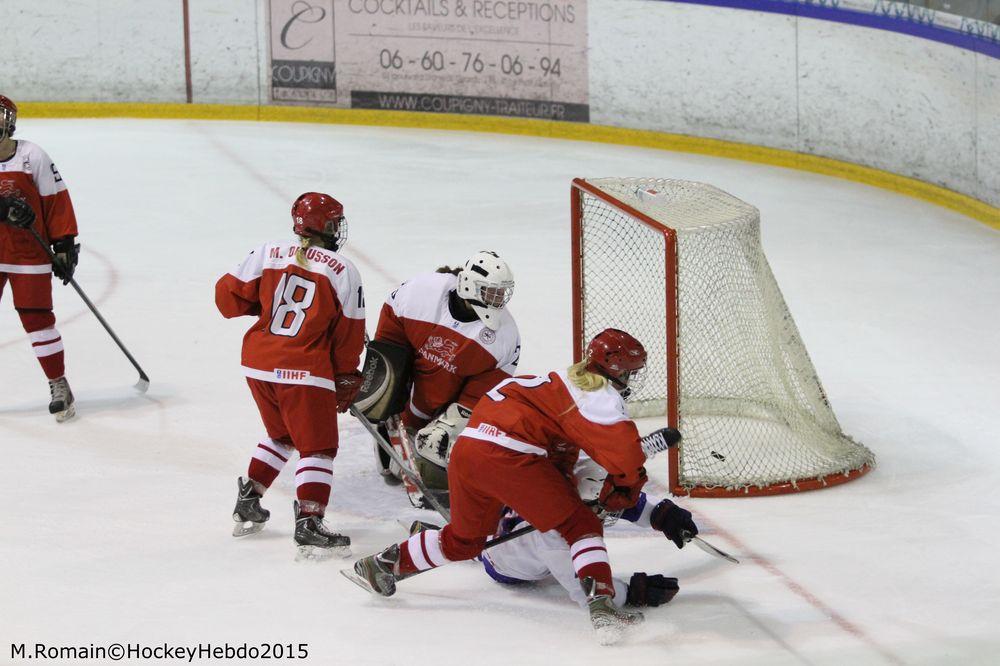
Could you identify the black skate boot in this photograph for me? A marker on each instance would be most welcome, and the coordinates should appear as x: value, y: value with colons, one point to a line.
x: 315, y: 541
x: 61, y: 403
x: 609, y: 621
x: 376, y: 573
x: 249, y: 515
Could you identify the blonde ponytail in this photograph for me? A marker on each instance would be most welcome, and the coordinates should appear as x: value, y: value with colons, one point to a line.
x: 305, y: 242
x: 583, y: 379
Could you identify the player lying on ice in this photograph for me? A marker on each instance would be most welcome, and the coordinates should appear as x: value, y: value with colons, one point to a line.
x: 300, y: 359
x: 518, y: 452
x: 540, y: 556
x: 453, y: 329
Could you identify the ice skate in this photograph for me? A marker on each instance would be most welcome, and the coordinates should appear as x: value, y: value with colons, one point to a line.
x: 249, y: 515
x: 375, y: 572
x: 609, y: 621
x: 315, y: 541
x: 62, y: 403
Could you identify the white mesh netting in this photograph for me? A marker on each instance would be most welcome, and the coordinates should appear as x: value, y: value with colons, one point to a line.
x: 752, y: 410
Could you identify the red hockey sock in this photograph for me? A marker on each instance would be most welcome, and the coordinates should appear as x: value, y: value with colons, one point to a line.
x: 268, y: 460
x: 313, y: 479
x: 590, y: 559
x: 45, y: 340
x: 421, y: 552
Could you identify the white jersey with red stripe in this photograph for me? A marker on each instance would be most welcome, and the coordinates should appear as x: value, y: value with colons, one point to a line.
x: 311, y: 318
x: 29, y: 174
x: 454, y: 361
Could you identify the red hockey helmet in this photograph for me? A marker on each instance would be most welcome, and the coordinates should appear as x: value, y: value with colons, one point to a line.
x: 318, y: 214
x: 8, y: 117
x: 618, y: 356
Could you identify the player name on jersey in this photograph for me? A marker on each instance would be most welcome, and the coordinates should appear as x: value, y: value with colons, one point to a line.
x: 312, y: 254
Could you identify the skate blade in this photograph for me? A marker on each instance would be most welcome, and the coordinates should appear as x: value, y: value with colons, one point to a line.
x: 358, y: 580
x: 66, y: 414
x: 317, y: 554
x: 363, y: 583
x: 246, y: 528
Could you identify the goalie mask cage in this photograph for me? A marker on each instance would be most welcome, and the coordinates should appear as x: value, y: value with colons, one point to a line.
x: 680, y: 266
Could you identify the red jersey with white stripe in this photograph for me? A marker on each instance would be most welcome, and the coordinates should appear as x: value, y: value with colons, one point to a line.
x: 311, y: 319
x: 453, y: 360
x: 31, y: 175
x: 549, y: 416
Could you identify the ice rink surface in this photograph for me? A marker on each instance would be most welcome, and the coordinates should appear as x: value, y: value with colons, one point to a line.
x: 116, y: 527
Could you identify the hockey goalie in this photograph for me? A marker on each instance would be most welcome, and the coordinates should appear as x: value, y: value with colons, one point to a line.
x: 443, y: 340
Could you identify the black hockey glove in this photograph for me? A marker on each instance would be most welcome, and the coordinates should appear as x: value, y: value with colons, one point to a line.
x: 646, y: 590
x: 17, y: 212
x: 67, y: 255
x: 673, y: 521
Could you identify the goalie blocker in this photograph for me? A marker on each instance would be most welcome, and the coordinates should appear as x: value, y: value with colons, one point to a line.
x: 386, y: 380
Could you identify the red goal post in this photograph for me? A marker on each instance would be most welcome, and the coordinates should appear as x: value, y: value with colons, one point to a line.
x: 679, y: 265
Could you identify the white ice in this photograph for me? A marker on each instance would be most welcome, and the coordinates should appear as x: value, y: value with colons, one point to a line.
x: 116, y: 527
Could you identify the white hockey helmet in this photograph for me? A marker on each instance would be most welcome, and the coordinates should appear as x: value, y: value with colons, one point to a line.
x: 487, y: 283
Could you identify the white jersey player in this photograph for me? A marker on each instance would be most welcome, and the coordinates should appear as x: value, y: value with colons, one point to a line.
x: 539, y: 556
x: 463, y: 342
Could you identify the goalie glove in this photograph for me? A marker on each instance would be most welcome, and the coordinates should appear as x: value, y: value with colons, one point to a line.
x: 434, y: 441
x: 650, y: 590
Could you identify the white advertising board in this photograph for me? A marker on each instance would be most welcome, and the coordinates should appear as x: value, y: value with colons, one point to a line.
x: 488, y: 57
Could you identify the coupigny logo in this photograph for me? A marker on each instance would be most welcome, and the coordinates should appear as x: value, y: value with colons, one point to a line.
x: 301, y: 12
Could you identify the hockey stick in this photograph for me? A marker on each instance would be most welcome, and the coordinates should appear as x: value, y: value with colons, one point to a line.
x: 707, y: 547
x: 410, y: 474
x: 510, y: 536
x: 143, y: 384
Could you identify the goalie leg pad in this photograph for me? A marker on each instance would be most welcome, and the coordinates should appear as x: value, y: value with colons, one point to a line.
x: 434, y: 443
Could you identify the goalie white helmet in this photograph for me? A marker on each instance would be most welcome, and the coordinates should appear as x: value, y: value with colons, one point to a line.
x: 486, y: 283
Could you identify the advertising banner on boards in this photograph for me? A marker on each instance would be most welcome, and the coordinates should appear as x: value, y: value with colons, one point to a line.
x: 303, y: 58
x: 512, y: 58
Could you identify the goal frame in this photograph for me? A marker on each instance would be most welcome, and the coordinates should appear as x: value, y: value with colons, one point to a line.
x: 578, y: 188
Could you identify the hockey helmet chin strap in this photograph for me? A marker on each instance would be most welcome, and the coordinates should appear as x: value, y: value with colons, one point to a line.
x: 633, y: 382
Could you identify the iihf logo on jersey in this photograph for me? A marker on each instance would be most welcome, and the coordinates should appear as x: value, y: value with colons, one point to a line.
x: 487, y: 336
x: 291, y: 375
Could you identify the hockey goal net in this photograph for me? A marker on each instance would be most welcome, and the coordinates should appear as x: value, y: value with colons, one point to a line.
x: 680, y: 266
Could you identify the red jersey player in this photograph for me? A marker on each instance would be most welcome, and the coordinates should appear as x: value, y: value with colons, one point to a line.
x: 539, y: 556
x: 518, y: 451
x: 34, y: 196
x: 300, y: 358
x: 464, y: 341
